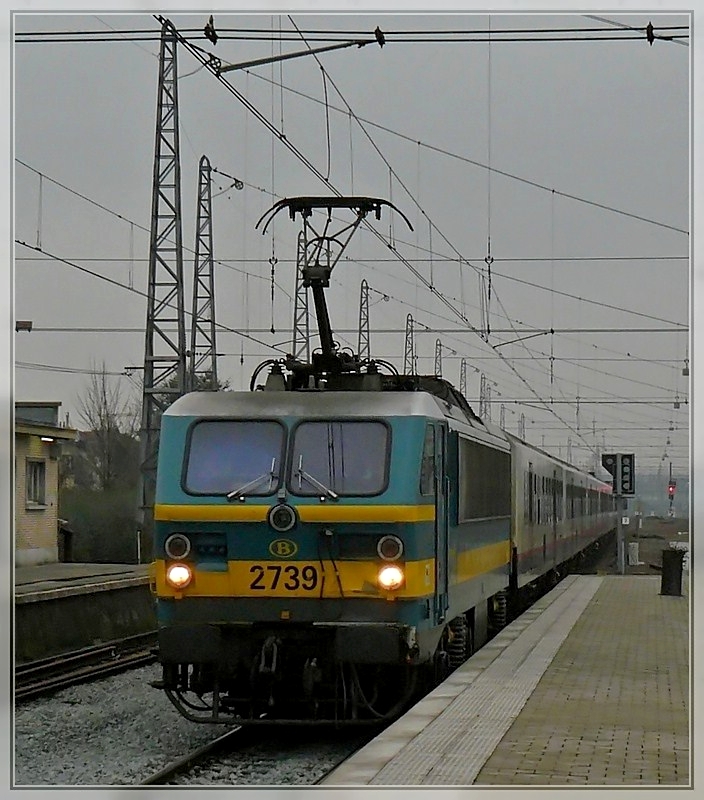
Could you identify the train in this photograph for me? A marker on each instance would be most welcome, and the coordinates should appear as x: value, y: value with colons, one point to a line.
x: 320, y: 555
x: 338, y: 539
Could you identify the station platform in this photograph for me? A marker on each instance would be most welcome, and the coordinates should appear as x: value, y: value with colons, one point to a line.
x: 50, y: 581
x: 590, y: 686
x: 62, y: 607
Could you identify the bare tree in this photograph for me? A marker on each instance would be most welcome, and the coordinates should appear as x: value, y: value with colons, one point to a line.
x: 112, y: 422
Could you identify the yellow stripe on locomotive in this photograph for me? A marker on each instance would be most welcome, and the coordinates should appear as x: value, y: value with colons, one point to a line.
x: 179, y: 512
x: 326, y: 578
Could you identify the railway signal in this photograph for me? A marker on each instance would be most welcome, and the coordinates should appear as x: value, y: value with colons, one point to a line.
x: 627, y: 483
x: 671, y: 486
x: 622, y: 468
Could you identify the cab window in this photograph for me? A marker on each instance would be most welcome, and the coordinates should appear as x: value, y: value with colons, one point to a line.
x: 347, y: 457
x: 234, y: 455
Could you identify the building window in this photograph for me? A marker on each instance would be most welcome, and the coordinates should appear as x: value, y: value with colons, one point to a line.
x: 36, y: 483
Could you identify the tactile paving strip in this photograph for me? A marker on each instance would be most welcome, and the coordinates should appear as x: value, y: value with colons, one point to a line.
x: 447, y: 736
x: 453, y: 748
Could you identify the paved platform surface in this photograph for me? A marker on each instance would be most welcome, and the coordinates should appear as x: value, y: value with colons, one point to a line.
x: 50, y: 581
x: 589, y: 687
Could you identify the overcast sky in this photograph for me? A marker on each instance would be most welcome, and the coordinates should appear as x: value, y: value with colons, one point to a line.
x: 582, y: 139
x: 566, y: 162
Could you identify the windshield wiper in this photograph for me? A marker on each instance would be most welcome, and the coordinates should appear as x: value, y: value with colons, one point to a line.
x: 252, y: 484
x: 301, y: 473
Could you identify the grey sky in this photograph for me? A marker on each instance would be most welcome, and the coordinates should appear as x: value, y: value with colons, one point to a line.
x: 604, y: 122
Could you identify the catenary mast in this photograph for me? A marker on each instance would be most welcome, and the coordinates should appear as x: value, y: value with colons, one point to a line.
x: 202, y: 366
x: 165, y: 339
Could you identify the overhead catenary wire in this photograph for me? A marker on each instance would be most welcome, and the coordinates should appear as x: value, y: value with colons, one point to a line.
x: 495, y: 170
x: 476, y: 163
x: 104, y: 208
x: 453, y: 309
x: 112, y: 281
x: 507, y: 35
x: 120, y: 216
x: 580, y: 298
x: 430, y: 286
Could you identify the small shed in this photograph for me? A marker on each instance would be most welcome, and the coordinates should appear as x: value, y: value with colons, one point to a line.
x: 38, y: 439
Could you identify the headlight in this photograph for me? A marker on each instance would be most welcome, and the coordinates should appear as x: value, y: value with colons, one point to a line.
x: 177, y: 546
x: 390, y: 577
x: 389, y: 548
x: 178, y: 575
x: 282, y: 517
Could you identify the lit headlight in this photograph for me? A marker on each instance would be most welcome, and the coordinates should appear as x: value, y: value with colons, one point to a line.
x: 390, y: 577
x: 178, y: 575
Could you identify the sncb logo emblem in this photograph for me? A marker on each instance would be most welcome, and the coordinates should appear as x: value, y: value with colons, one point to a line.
x: 283, y: 548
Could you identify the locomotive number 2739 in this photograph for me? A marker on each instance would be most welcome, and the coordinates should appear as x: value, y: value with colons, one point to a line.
x: 290, y: 577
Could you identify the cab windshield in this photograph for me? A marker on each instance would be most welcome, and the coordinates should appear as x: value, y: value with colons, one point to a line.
x: 234, y: 456
x: 339, y: 458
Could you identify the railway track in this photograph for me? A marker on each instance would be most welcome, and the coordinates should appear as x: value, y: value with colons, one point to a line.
x: 225, y: 742
x: 46, y: 675
x: 245, y: 750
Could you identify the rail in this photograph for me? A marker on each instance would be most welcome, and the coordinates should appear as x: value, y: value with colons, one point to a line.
x: 45, y: 675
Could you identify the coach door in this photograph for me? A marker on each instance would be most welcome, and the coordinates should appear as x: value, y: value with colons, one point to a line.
x: 441, y: 486
x: 554, y: 516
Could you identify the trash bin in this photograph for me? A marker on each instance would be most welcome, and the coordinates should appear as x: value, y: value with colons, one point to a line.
x: 633, y: 560
x: 672, y: 572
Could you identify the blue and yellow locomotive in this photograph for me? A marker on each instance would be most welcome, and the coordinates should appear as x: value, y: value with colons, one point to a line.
x: 330, y: 545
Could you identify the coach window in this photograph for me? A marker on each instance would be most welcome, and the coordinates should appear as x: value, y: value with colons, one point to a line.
x: 427, y: 463
x: 234, y: 455
x: 484, y: 481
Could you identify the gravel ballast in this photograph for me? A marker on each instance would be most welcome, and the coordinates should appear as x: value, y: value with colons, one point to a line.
x: 120, y: 730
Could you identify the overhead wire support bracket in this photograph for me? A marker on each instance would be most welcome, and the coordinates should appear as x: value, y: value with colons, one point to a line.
x: 523, y: 338
x: 258, y: 62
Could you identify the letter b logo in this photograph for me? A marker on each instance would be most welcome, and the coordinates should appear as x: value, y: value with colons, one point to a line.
x: 283, y: 548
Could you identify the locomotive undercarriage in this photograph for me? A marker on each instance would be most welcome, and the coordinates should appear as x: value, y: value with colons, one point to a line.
x: 261, y: 675
x: 299, y: 692
x: 337, y: 675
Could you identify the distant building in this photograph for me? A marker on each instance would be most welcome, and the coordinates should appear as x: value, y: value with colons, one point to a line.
x: 38, y: 439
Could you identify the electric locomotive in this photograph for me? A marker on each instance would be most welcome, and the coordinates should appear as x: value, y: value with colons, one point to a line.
x: 341, y: 537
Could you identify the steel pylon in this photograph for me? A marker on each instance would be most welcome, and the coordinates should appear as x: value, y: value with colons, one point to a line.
x: 301, y: 320
x: 409, y: 355
x: 438, y: 358
x: 202, y: 370
x: 363, y: 349
x: 165, y: 336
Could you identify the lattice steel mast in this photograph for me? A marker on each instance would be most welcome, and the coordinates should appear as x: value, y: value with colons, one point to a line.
x: 438, y: 358
x: 364, y: 349
x: 165, y: 339
x: 301, y: 320
x: 463, y: 377
x: 202, y: 369
x: 484, y: 398
x: 409, y: 354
